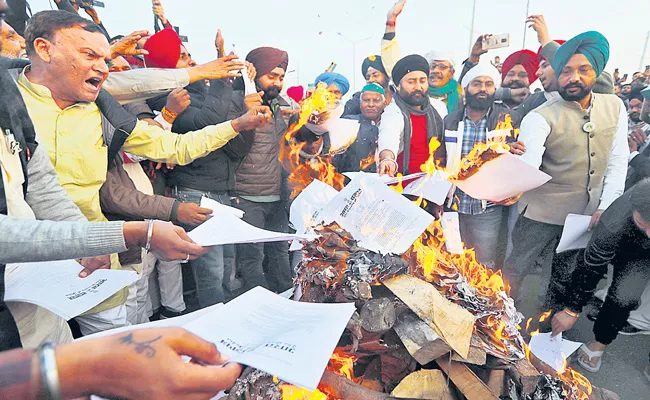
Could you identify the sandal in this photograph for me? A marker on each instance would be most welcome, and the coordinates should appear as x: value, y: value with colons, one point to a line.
x: 591, y: 354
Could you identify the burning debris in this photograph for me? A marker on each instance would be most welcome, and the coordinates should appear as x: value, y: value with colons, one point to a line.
x: 429, y: 324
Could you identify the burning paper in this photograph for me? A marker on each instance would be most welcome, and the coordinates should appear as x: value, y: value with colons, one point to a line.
x: 503, y: 177
x: 553, y: 350
x: 378, y: 217
x: 306, y: 209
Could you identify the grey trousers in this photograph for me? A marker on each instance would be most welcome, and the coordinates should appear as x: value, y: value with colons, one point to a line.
x: 481, y: 233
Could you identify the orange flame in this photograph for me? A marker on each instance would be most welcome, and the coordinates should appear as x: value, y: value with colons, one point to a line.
x: 290, y: 392
x: 340, y: 363
x: 545, y: 316
x: 366, y: 162
x: 304, y: 171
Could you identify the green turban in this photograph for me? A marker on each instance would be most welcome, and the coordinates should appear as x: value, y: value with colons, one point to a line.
x: 592, y: 45
x: 373, y: 87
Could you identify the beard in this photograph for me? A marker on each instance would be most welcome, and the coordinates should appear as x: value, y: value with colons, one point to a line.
x: 584, y: 92
x: 271, y: 93
x: 635, y: 117
x: 475, y: 103
x: 417, y: 98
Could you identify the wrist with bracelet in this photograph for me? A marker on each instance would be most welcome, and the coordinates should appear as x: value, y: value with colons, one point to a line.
x: 169, y: 116
x: 49, y: 372
x: 391, y: 23
x: 571, y: 313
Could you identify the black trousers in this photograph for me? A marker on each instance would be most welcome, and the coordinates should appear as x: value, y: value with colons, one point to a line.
x: 250, y: 256
x: 533, y: 241
x: 9, y: 336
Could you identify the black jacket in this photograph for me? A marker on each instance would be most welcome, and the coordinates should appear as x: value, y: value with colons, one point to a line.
x: 209, y: 106
x: 363, y: 147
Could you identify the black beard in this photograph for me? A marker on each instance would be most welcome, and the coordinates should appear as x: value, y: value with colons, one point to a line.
x: 584, y: 92
x: 475, y: 103
x: 514, y: 85
x: 271, y: 93
x: 635, y: 117
x: 415, y: 100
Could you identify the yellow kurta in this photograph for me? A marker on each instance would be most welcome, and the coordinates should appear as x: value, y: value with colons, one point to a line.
x: 74, y: 141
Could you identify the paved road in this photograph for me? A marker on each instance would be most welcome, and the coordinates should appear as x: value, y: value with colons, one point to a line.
x: 623, y: 362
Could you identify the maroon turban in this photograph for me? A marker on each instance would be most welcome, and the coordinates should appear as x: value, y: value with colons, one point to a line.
x: 266, y: 59
x: 527, y: 59
x: 164, y: 49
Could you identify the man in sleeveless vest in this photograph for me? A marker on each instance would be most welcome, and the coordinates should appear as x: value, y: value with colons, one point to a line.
x: 580, y: 140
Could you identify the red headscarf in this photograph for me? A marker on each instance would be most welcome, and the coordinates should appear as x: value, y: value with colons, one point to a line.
x: 527, y: 59
x: 539, y: 52
x: 164, y: 49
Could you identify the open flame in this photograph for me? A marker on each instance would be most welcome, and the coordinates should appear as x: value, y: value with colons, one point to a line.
x: 340, y: 363
x: 576, y: 386
x: 313, y: 109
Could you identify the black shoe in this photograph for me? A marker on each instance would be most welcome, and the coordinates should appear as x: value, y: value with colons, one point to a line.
x: 629, y: 330
x: 165, y: 313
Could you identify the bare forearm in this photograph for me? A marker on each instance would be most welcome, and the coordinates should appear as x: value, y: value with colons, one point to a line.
x: 19, y: 375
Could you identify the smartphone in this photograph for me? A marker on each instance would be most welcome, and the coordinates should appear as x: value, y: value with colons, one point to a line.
x: 624, y: 77
x: 497, y: 42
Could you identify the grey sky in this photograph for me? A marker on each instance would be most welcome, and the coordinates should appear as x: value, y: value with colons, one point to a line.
x: 308, y: 29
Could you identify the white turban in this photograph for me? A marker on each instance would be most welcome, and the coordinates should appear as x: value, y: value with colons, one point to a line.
x: 441, y: 56
x: 482, y: 69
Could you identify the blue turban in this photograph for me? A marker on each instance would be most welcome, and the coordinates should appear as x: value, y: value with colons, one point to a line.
x: 592, y: 45
x: 332, y: 77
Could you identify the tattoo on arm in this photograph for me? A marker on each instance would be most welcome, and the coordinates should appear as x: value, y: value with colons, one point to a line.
x: 141, y: 347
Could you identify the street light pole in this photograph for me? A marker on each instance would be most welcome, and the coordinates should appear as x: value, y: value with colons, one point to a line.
x: 645, y: 50
x: 354, y: 56
x: 525, y: 25
x: 471, y: 32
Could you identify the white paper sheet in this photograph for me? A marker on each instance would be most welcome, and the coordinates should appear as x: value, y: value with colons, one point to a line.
x: 226, y: 228
x: 57, y: 287
x: 381, y: 219
x: 434, y: 188
x: 217, y: 207
x: 451, y: 230
x: 552, y: 351
x: 504, y: 177
x: 306, y: 209
x: 179, y: 321
x: 369, y: 175
x: 574, y: 234
x: 285, y: 338
x: 249, y: 86
x: 342, y: 132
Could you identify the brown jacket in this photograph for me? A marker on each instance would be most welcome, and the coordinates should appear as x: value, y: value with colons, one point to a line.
x: 120, y: 200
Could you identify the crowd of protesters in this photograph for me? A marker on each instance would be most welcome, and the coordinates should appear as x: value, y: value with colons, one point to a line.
x: 109, y: 144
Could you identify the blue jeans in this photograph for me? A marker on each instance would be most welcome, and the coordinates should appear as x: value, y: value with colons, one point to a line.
x: 212, y: 270
x: 481, y: 233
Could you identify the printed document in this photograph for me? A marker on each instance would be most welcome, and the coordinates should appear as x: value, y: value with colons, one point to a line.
x: 502, y: 178
x: 381, y: 219
x: 57, y: 287
x: 306, y: 209
x: 434, y: 188
x: 285, y: 338
x: 226, y: 228
x: 218, y: 208
x: 451, y: 229
x: 553, y: 350
x: 575, y: 235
